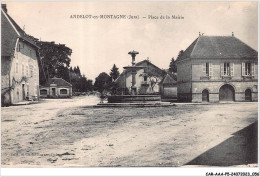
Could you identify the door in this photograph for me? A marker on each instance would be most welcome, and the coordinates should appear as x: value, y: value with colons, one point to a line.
x: 53, y: 92
x: 248, y: 95
x: 23, y: 91
x: 205, y: 95
x: 226, y: 93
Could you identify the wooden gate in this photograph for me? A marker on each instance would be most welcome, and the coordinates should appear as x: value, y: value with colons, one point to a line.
x: 205, y: 95
x: 226, y: 93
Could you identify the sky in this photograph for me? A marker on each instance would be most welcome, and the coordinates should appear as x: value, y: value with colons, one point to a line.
x: 98, y: 44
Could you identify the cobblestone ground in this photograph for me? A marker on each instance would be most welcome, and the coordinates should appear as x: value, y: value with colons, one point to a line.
x: 70, y: 132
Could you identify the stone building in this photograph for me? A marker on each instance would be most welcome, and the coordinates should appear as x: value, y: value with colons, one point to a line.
x: 218, y: 68
x: 19, y: 62
x: 168, y: 88
x: 56, y: 88
x: 148, y: 77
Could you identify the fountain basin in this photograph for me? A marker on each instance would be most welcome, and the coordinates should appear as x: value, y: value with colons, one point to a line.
x: 134, y: 98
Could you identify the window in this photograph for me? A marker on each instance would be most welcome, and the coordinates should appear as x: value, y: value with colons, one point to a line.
x: 248, y: 69
x: 226, y: 69
x: 63, y: 91
x: 43, y: 92
x: 145, y: 78
x: 27, y: 71
x: 23, y: 70
x: 207, y: 69
x: 31, y: 70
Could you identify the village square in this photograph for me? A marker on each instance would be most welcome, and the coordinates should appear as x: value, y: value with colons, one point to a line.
x: 200, y: 111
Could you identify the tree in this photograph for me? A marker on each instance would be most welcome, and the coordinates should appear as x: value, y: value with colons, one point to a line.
x: 54, y: 60
x: 173, y: 66
x: 114, y: 74
x: 103, y: 82
x: 180, y: 54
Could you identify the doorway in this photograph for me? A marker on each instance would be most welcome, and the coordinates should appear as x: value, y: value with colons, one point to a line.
x: 248, y: 95
x: 53, y: 92
x: 205, y: 95
x: 226, y: 93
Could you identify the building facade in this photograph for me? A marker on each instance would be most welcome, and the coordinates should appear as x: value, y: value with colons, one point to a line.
x: 56, y: 88
x: 218, y: 68
x: 19, y: 63
x: 148, y: 77
x: 168, y: 88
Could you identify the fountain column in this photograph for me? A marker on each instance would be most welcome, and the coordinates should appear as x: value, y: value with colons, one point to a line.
x: 133, y: 87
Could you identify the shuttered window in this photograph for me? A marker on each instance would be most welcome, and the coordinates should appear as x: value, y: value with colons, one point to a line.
x: 252, y: 69
x: 207, y: 69
x: 210, y: 70
x: 248, y: 69
x: 227, y: 69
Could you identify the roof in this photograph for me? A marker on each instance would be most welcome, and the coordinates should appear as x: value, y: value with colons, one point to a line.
x: 168, y: 80
x: 58, y: 82
x: 218, y: 47
x: 144, y: 63
x: 17, y: 32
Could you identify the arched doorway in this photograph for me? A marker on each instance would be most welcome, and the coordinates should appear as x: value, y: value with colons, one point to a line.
x: 226, y: 93
x: 248, y: 95
x: 205, y: 95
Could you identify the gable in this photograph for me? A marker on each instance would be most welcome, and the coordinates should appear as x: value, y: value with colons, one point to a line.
x: 59, y: 82
x: 8, y: 36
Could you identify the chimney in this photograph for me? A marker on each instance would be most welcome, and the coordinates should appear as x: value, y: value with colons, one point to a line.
x: 232, y: 34
x: 4, y: 7
x: 199, y: 33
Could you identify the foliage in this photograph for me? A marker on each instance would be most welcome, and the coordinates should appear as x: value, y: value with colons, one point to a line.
x: 180, y: 54
x: 173, y: 66
x: 55, y: 60
x: 103, y: 82
x: 79, y: 82
x: 114, y: 74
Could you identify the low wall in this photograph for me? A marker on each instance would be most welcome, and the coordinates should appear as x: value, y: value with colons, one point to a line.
x: 133, y: 98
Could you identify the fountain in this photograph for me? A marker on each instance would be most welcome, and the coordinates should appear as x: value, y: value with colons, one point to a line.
x: 133, y: 97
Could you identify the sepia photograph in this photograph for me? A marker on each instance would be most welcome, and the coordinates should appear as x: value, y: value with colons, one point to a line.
x: 127, y: 84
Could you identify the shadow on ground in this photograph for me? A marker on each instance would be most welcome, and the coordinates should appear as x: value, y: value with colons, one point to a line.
x: 240, y: 149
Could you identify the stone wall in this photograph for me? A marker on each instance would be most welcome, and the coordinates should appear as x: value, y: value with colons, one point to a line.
x: 24, y: 73
x: 213, y: 88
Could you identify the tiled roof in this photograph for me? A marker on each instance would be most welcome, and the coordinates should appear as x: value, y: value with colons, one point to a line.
x: 144, y: 63
x: 168, y: 80
x: 9, y: 41
x: 219, y: 47
x: 58, y: 82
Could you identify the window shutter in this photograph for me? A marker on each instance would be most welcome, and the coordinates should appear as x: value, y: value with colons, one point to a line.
x: 231, y: 69
x: 252, y: 69
x: 243, y: 69
x: 222, y: 69
x: 210, y: 69
x: 204, y: 69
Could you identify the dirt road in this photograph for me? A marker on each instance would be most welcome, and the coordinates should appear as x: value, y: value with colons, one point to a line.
x: 69, y: 132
